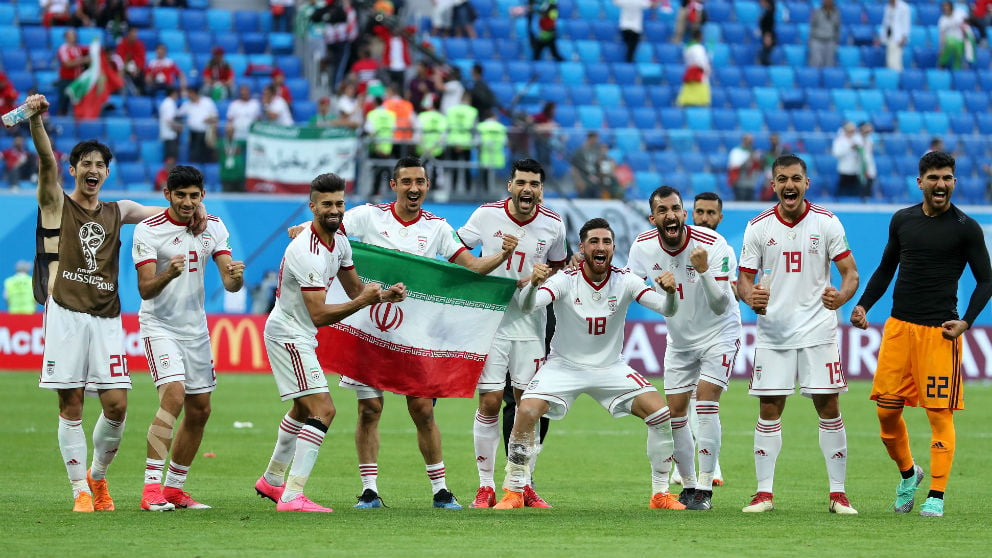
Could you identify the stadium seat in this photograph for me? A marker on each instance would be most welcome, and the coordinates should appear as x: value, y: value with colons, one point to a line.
x: 818, y: 99
x: 735, y: 33
x: 671, y: 118
x: 859, y: 78
x: 638, y: 160
x: 655, y: 31
x: 897, y: 100
x: 936, y: 123
x: 246, y: 21
x: 139, y: 107
x: 28, y: 13
x: 627, y: 140
x: 747, y: 12
x: 834, y: 78
x: 723, y: 119
x: 751, y: 120
x: 976, y: 101
x: 173, y: 39
x: 829, y: 121
x: 581, y: 94
x: 962, y: 123
x: 964, y: 80
x: 803, y: 120
x: 645, y: 118
x: 280, y: 43
x: 885, y: 79
x: 254, y: 43
x: 692, y: 161
x: 909, y: 122
x: 924, y: 100
x: 165, y: 17
x: 756, y: 76
x: 938, y: 80
x: 15, y: 59
x: 728, y: 76
x: 698, y: 118
x: 871, y: 100
x: 590, y: 117
x: 848, y: 56
x: 911, y: 79
x: 844, y: 99
x: 708, y: 143
x: 220, y: 21
x: 615, y: 116
x: 22, y: 81
x: 41, y: 60
x: 777, y: 120
x: 950, y: 102
x: 984, y: 121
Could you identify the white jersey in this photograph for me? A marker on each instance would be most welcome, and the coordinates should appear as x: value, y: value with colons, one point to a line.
x: 799, y: 256
x: 427, y: 235
x: 541, y: 239
x: 590, y: 318
x: 308, y: 265
x: 695, y: 325
x: 177, y: 312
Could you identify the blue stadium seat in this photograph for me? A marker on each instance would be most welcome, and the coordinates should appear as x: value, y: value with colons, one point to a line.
x: 962, y: 123
x: 638, y: 160
x: 736, y: 33
x: 499, y: 28
x: 859, y: 78
x: 22, y: 81
x: 974, y: 146
x: 28, y: 13
x: 634, y: 96
x: 848, y: 56
x: 607, y: 94
x: 574, y: 29
x: 132, y: 173
x: 829, y: 121
x: 192, y: 20
x: 751, y: 120
x: 16, y: 59
x: 871, y: 100
x: 456, y: 47
x: 303, y: 110
x: 976, y: 101
x: 230, y: 42
x: 792, y: 99
x: 936, y: 123
x: 951, y: 102
x: 702, y: 182
x: 650, y: 74
x: 692, y: 161
x: 740, y: 97
x: 582, y: 94
x: 911, y: 79
x: 254, y: 43
x: 34, y: 38
x: 925, y: 57
x: 897, y: 100
x: 199, y: 42
x: 924, y: 100
x: 777, y: 120
x: 747, y: 12
x: 299, y: 88
x: 139, y: 107
x: 984, y: 121
x: 818, y: 99
x: 873, y: 56
x: 165, y: 18
x: 807, y: 77
x: 173, y: 39
x: 87, y: 129
x: 645, y: 118
x: 756, y: 76
x: 861, y: 34
x: 727, y: 76
x: 482, y: 49
x: 246, y: 21
x: 566, y: 116
x: 671, y: 118
x: 964, y: 80
x: 590, y: 117
x: 41, y: 60
x: 10, y: 35
x: 654, y: 31
x: 280, y: 43
x: 787, y: 35
x: 720, y: 55
x: 146, y: 128
x: 885, y: 79
x: 661, y: 95
x: 220, y: 21
x: 938, y: 80
x: 795, y: 55
x: 698, y: 118
x: 782, y: 77
x: 909, y: 122
x: 834, y: 78
x: 724, y: 119
x: 844, y: 99
x: 708, y: 143
x: 645, y: 182
x: 766, y: 98
x: 627, y: 139
x: 719, y: 11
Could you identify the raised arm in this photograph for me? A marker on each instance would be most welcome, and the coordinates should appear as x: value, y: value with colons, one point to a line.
x: 716, y: 298
x: 49, y: 192
x: 353, y: 287
x: 232, y: 273
x: 484, y: 265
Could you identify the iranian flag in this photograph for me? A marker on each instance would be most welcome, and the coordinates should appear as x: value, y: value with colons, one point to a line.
x: 434, y: 343
x: 91, y: 90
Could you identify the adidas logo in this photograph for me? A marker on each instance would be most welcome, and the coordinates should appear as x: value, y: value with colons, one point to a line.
x: 72, y: 462
x: 176, y: 241
x: 656, y: 267
x: 498, y: 234
x: 838, y: 455
x: 704, y: 451
x: 938, y: 445
x: 771, y: 242
x: 385, y: 234
x: 760, y: 453
x: 481, y: 459
x: 577, y: 302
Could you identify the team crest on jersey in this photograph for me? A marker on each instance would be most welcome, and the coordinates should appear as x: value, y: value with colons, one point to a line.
x: 206, y: 239
x: 314, y: 374
x: 163, y: 361
x: 690, y: 273
x: 422, y: 242
x: 757, y: 372
x: 814, y: 244
x: 50, y: 367
x: 533, y: 384
x: 541, y: 245
x: 612, y: 303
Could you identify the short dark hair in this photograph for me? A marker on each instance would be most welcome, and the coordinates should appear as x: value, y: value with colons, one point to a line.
x: 406, y: 163
x: 594, y: 223
x: 787, y: 160
x: 327, y: 183
x: 182, y: 176
x: 527, y: 165
x: 936, y: 160
x: 662, y: 192
x: 709, y: 196
x: 89, y: 146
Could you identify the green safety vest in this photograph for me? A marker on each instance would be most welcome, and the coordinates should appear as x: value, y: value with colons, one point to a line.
x: 433, y: 124
x: 461, y: 122
x: 20, y: 295
x: 232, y: 161
x: 383, y: 124
x: 492, y: 144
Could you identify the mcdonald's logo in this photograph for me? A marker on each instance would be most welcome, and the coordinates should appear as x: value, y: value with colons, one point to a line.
x: 386, y: 316
x: 235, y: 331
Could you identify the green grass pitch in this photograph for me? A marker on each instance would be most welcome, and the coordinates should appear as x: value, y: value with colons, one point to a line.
x: 593, y: 470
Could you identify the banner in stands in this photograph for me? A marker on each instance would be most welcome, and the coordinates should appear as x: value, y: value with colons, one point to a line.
x: 284, y: 159
x: 238, y: 347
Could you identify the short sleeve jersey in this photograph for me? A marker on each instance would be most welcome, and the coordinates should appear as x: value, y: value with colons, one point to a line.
x: 541, y: 239
x: 798, y: 255
x: 695, y: 324
x: 590, y: 317
x: 427, y: 235
x: 177, y: 312
x: 308, y: 265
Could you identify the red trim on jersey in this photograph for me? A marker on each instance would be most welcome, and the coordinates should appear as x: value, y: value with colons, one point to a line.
x: 506, y: 208
x: 392, y: 209
x: 820, y: 209
x: 347, y: 267
x: 143, y: 262
x: 173, y: 221
x: 549, y: 292
x: 698, y: 234
x: 842, y: 255
x: 221, y: 252
x: 213, y: 218
x: 316, y: 237
x: 157, y: 220
x: 596, y: 287
x: 722, y: 278
x: 747, y: 270
x: 764, y: 214
x: 685, y: 242
x: 797, y: 221
x: 647, y: 235
x: 640, y: 294
x: 456, y: 254
x: 547, y: 211
x: 312, y: 289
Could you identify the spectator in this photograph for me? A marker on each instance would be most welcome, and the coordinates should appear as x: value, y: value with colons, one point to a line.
x: 380, y: 125
x: 169, y: 126
x: 218, y: 76
x: 632, y: 23
x: 868, y: 168
x: 894, y: 32
x: 275, y: 110
x: 422, y: 88
x: 766, y: 29
x: 441, y: 16
x: 56, y: 12
x: 463, y: 16
x: 348, y: 105
x: 162, y: 176
x: 162, y: 73
x: 73, y: 61
x: 690, y: 17
x: 200, y: 114
x: 545, y: 129
x: 546, y: 36
x: 449, y: 83
x: 396, y: 57
x: 979, y: 19
x: 951, y: 27
x: 132, y: 51
x: 593, y: 170
x: 20, y: 163
x: 18, y: 290
x: 696, y: 79
x: 462, y: 120
x: 432, y: 129
x: 325, y: 116
x: 283, y: 15
x: 483, y: 98
x: 936, y: 144
x: 365, y: 69
x: 847, y: 149
x: 243, y: 112
x: 406, y: 120
x: 492, y: 149
x: 824, y: 35
x: 105, y: 14
x: 745, y: 167
x: 279, y: 80
x: 340, y: 32
x: 8, y: 95
x: 231, y: 156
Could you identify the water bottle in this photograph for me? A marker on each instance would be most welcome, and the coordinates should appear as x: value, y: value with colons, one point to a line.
x: 766, y: 278
x: 18, y: 115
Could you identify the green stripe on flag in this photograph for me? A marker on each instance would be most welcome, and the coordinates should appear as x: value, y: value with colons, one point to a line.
x: 432, y: 280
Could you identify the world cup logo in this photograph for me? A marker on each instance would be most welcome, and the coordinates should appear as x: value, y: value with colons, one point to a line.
x: 91, y: 237
x: 386, y: 316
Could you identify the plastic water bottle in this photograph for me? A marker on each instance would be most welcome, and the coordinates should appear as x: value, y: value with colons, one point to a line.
x: 18, y: 115
x: 766, y: 278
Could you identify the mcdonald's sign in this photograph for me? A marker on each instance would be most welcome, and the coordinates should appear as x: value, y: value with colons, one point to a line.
x: 236, y: 343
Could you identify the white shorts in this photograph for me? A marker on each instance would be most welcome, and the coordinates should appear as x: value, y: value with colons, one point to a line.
x: 189, y: 361
x: 817, y: 369
x: 522, y: 358
x: 713, y: 363
x: 295, y: 368
x: 560, y: 383
x: 83, y: 351
x: 362, y: 391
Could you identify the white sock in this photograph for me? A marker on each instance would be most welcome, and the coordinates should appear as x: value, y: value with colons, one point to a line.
x: 370, y: 476
x: 708, y: 442
x: 661, y: 448
x: 436, y: 475
x: 176, y: 477
x: 485, y: 432
x: 106, y: 441
x: 685, y: 451
x: 153, y: 470
x: 767, y: 446
x: 833, y: 444
x: 522, y: 448
x: 289, y: 429
x: 72, y: 444
x: 308, y: 443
